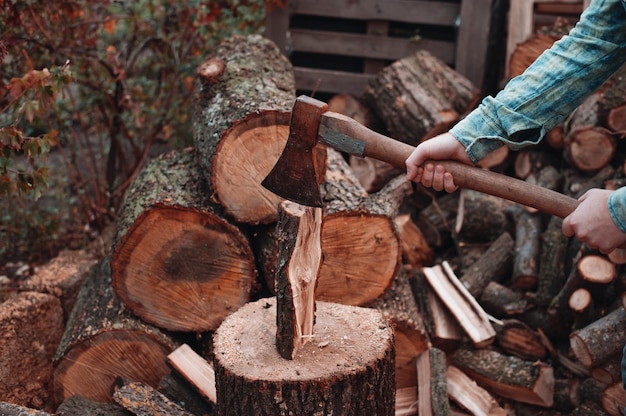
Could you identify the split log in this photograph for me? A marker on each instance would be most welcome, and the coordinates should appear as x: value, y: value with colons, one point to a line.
x: 348, y: 369
x: 466, y: 393
x: 193, y: 368
x: 245, y: 94
x: 420, y: 96
x: 432, y: 388
x: 31, y: 325
x: 360, y: 241
x: 494, y: 265
x: 510, y: 377
x: 467, y: 311
x: 415, y: 249
x: 519, y: 340
x: 102, y: 341
x: 600, y: 340
x: 411, y: 338
x: 443, y: 330
x: 177, y: 263
x: 406, y: 401
x: 299, y: 262
x: 144, y: 400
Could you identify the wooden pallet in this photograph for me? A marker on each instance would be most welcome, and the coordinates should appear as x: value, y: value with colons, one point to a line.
x: 336, y: 46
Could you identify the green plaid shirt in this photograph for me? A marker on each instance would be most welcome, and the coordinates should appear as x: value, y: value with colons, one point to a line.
x: 551, y: 88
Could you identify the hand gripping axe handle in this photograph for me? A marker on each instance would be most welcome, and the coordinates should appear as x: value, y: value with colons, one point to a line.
x: 295, y: 175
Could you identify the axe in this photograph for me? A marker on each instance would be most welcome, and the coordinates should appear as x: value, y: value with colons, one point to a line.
x: 295, y: 175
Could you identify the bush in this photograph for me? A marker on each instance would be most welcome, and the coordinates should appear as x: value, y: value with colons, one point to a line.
x: 119, y: 83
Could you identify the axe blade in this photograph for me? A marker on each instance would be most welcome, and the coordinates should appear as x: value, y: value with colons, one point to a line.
x: 295, y: 176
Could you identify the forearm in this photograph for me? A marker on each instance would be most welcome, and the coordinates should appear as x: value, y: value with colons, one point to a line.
x: 550, y: 89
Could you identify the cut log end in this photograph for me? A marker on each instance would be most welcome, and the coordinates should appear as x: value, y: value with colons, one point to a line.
x: 210, y: 70
x: 179, y: 263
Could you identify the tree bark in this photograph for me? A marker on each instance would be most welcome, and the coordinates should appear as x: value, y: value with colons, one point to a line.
x: 178, y: 264
x: 600, y: 340
x: 432, y: 388
x: 347, y: 370
x: 102, y: 341
x: 241, y: 124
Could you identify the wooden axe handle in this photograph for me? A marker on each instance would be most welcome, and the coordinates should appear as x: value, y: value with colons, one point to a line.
x: 381, y: 147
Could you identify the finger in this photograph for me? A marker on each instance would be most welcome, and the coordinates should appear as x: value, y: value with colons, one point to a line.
x: 411, y: 172
x: 427, y: 175
x: 448, y: 183
x: 567, y: 228
x: 438, y: 178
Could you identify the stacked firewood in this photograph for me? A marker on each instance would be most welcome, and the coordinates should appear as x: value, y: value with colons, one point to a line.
x: 493, y: 310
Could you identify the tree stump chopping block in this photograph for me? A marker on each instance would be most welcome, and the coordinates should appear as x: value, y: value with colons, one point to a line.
x: 178, y: 263
x: 242, y: 108
x: 420, y: 96
x: 347, y: 369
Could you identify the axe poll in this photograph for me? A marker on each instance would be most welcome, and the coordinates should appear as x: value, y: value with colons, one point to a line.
x: 295, y: 175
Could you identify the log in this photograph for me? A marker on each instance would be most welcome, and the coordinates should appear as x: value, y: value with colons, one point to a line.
x: 144, y: 400
x: 609, y: 372
x: 467, y: 311
x: 32, y: 325
x: 348, y: 369
x: 528, y: 228
x: 524, y: 381
x: 432, y: 388
x: 102, y: 341
x: 12, y: 409
x: 178, y: 263
x: 81, y: 406
x: 552, y: 262
x: 494, y: 265
x: 466, y: 393
x: 372, y: 173
x: 436, y: 221
x: 600, y: 340
x: 614, y: 399
x: 502, y: 301
x: 240, y: 122
x: 527, y: 52
x: 179, y: 390
x: 589, y: 147
x: 360, y: 241
x: 472, y: 223
x: 299, y: 262
x: 596, y: 268
x: 581, y: 304
x: 411, y: 337
x: 419, y: 96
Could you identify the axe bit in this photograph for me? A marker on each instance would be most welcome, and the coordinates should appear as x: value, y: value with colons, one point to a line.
x: 295, y: 176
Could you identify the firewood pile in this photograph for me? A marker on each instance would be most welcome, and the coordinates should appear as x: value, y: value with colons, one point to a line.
x: 449, y: 304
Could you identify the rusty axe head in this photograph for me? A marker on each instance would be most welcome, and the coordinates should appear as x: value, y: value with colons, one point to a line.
x: 296, y: 174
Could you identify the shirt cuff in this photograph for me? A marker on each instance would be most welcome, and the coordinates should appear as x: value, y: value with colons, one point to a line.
x: 617, y: 208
